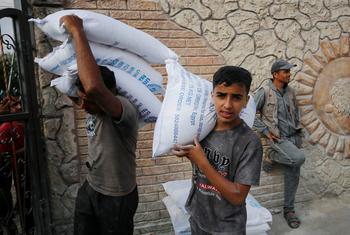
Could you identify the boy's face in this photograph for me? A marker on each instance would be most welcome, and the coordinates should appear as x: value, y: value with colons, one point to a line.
x: 89, y: 106
x: 229, y: 101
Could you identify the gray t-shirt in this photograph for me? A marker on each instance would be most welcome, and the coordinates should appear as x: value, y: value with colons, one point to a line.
x: 112, y: 145
x: 236, y: 154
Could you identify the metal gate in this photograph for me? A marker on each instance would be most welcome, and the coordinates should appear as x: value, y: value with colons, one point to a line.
x: 24, y: 207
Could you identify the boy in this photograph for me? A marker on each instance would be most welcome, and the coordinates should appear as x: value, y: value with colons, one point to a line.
x: 226, y: 163
x: 107, y: 201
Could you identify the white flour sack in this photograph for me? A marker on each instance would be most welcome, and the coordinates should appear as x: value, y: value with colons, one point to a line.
x: 106, y: 30
x: 66, y: 84
x: 135, y: 68
x: 146, y: 103
x: 187, y: 110
x: 143, y: 99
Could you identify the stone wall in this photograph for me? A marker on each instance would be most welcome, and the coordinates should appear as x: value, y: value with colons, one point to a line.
x: 206, y: 35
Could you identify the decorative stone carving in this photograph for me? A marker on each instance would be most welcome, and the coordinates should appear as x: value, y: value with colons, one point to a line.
x: 189, y: 19
x: 220, y: 8
x: 284, y: 34
x: 312, y: 39
x: 176, y: 6
x: 330, y: 30
x: 244, y: 21
x: 257, y: 66
x: 268, y: 44
x: 218, y: 33
x: 295, y: 48
x: 337, y: 8
x: 290, y: 11
x: 260, y: 7
x: 344, y: 22
x: 315, y: 10
x: 324, y: 96
x: 235, y: 53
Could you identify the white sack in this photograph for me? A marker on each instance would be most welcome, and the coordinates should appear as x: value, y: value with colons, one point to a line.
x: 178, y: 191
x: 178, y: 218
x: 63, y: 57
x: 142, y: 98
x: 256, y: 214
x: 66, y: 85
x: 106, y: 30
x: 187, y: 110
x: 260, y: 229
x: 248, y: 113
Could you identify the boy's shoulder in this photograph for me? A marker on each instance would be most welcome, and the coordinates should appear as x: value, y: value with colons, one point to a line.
x: 241, y: 134
x: 246, y: 133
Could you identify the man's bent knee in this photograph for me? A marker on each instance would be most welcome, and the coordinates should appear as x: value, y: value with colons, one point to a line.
x: 299, y: 158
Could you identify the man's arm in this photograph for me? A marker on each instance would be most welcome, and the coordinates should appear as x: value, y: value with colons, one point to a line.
x: 88, y: 70
x: 235, y: 193
x: 259, y: 125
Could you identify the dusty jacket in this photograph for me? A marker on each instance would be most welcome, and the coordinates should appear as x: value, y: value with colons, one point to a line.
x: 267, y: 112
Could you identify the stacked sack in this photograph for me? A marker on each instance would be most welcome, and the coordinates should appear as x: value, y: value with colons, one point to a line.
x: 258, y: 217
x: 187, y: 110
x: 124, y: 50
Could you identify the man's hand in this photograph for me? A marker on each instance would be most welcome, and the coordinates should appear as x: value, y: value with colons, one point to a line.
x: 272, y: 137
x: 194, y: 152
x: 72, y: 23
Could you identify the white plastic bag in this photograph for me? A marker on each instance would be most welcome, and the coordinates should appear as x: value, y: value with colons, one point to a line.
x: 103, y: 29
x: 63, y: 57
x: 179, y: 219
x: 187, y: 110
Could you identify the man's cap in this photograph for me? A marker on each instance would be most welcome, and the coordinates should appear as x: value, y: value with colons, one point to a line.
x: 281, y: 64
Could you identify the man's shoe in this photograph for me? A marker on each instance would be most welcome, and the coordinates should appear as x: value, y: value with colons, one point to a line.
x: 291, y: 219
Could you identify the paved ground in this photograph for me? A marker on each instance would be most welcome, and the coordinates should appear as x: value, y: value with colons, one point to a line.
x: 319, y: 217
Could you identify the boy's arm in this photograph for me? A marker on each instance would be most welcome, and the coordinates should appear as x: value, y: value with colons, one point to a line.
x: 88, y: 70
x: 235, y: 193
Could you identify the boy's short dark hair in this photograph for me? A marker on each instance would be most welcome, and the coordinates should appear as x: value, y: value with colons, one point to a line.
x: 232, y: 75
x: 107, y: 77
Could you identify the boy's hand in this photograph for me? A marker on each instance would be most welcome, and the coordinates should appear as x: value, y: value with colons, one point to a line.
x: 72, y: 23
x: 193, y: 152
